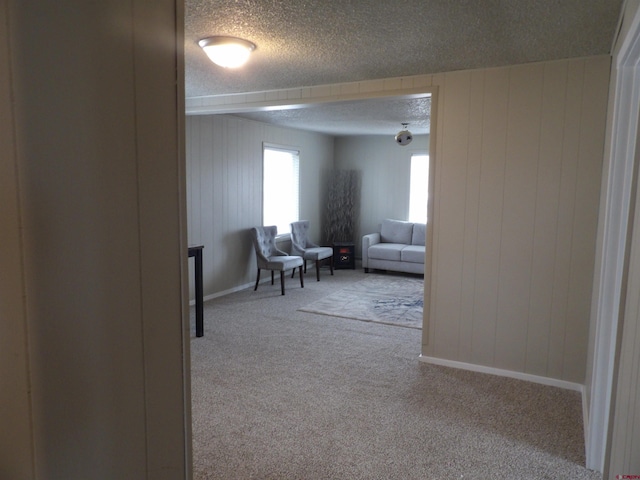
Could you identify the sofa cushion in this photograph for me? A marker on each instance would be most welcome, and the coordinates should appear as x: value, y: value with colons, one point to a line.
x: 396, y: 231
x: 386, y: 251
x: 412, y: 254
x: 419, y: 235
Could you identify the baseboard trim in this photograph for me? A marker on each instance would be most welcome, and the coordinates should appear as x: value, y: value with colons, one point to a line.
x: 226, y: 292
x: 506, y: 373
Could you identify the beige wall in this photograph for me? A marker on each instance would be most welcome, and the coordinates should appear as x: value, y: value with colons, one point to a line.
x: 92, y: 337
x: 224, y: 171
x: 517, y: 179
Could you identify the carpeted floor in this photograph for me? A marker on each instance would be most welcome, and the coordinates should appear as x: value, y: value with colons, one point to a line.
x: 279, y: 393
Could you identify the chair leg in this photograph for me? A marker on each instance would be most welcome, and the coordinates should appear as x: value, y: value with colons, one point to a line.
x: 331, y: 264
x: 301, y: 280
x: 317, y: 270
x: 282, y: 281
x: 271, y: 277
x: 257, y: 281
x: 293, y: 273
x: 305, y: 266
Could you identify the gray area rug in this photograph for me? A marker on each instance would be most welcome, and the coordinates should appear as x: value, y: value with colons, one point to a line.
x: 278, y: 394
x: 389, y: 299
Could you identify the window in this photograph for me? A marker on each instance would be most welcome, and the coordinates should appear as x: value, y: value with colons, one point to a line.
x: 280, y: 188
x: 419, y: 188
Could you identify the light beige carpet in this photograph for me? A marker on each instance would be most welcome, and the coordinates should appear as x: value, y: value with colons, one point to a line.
x: 391, y: 299
x: 278, y: 394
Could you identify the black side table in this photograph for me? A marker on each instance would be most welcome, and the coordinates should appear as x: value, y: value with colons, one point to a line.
x: 344, y: 255
x: 196, y: 251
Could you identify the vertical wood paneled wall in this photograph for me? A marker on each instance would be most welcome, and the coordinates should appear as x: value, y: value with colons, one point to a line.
x: 98, y: 363
x: 224, y: 191
x: 517, y: 180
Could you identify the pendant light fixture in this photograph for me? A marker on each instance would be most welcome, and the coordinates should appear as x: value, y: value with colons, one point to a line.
x: 404, y: 136
x: 228, y: 52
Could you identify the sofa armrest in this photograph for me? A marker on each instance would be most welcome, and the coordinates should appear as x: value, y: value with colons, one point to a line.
x: 367, y: 241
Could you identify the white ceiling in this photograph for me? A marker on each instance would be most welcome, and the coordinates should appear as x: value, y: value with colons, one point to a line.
x: 363, y: 117
x: 303, y: 43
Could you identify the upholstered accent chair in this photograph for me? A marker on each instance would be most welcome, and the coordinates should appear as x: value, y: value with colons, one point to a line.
x: 269, y: 257
x: 301, y: 245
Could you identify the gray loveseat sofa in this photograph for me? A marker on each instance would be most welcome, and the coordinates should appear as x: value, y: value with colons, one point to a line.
x: 399, y: 246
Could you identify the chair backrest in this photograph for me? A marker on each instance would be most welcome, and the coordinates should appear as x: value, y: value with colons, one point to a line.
x: 300, y: 237
x: 264, y: 243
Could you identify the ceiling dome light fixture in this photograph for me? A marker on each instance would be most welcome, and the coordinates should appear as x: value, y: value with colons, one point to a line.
x: 228, y: 52
x: 404, y: 136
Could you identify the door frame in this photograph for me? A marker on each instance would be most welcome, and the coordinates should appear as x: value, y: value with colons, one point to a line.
x: 613, y: 245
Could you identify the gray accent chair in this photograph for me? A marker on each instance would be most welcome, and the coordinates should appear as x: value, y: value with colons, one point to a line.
x: 269, y: 257
x: 301, y: 245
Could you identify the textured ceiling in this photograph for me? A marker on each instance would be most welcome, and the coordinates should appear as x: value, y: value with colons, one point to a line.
x: 318, y: 42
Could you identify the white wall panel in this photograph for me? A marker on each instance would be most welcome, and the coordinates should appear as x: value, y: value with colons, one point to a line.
x: 450, y: 216
x: 587, y: 199
x: 545, y: 233
x: 493, y: 121
x: 519, y: 152
x: 518, y: 213
x: 471, y: 215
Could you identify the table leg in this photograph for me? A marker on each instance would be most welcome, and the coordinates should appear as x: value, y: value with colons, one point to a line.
x: 199, y: 294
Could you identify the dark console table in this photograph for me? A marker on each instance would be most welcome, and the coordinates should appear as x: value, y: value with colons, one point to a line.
x: 196, y: 251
